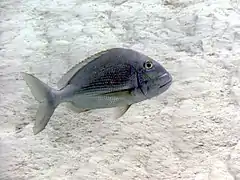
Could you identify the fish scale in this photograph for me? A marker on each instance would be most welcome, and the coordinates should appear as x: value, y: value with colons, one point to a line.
x: 120, y: 74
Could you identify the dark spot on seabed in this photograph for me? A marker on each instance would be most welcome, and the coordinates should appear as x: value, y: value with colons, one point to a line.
x: 19, y: 127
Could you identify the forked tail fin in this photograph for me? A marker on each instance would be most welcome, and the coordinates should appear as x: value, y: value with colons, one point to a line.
x: 46, y: 96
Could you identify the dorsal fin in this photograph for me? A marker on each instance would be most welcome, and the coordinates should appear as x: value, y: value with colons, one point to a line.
x: 68, y: 76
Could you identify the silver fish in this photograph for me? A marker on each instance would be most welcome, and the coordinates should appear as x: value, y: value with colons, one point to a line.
x: 116, y: 77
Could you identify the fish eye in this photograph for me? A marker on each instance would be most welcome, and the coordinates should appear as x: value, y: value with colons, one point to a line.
x: 148, y: 65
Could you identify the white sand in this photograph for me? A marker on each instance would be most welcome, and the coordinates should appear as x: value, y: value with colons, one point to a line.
x: 190, y: 132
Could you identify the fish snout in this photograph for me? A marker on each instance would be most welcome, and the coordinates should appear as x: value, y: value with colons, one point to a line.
x: 165, y: 78
x: 165, y: 81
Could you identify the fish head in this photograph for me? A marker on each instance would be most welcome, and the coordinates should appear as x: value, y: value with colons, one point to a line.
x: 153, y: 78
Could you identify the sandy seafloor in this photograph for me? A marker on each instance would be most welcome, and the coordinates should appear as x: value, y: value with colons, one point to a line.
x: 191, y: 132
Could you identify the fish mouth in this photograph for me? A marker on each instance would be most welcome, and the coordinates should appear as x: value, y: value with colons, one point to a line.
x: 166, y: 84
x: 168, y: 81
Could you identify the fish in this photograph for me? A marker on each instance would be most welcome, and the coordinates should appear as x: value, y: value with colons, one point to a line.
x: 112, y: 78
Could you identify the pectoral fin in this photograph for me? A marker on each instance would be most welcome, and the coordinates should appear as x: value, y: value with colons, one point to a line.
x: 120, y: 111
